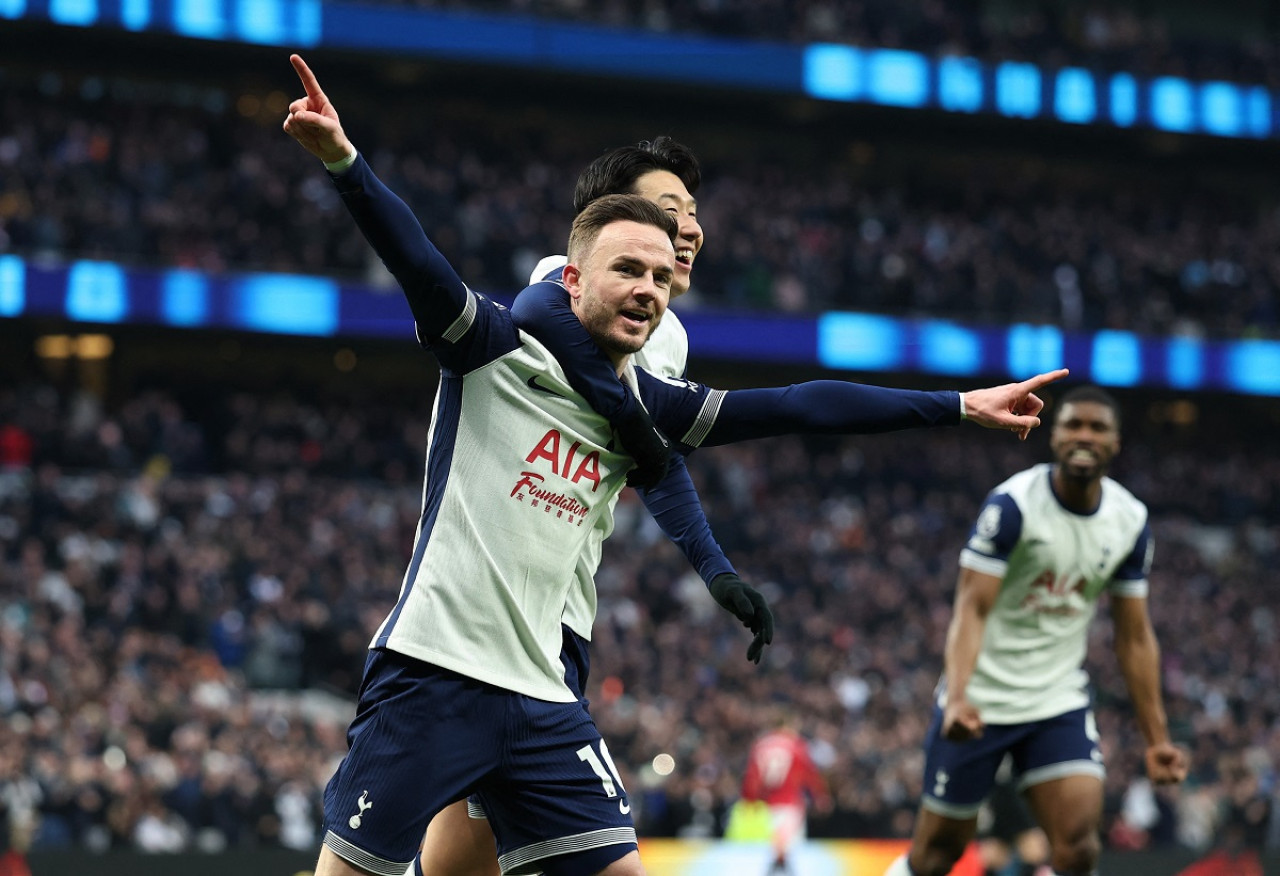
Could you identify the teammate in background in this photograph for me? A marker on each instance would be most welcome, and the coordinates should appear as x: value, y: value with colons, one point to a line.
x: 1046, y: 545
x: 781, y: 774
x: 466, y: 689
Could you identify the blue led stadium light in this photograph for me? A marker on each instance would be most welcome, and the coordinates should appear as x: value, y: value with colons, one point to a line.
x: 826, y: 71
x: 860, y: 342
x: 948, y: 348
x: 102, y: 292
x: 13, y: 286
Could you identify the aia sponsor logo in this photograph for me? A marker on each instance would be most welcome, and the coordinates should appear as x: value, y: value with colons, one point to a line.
x: 569, y: 464
x: 1051, y: 594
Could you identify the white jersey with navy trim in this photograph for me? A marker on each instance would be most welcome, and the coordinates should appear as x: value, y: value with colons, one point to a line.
x: 1054, y: 564
x: 519, y: 490
x: 665, y: 354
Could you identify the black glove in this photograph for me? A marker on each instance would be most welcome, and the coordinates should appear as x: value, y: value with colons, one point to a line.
x: 747, y: 605
x: 642, y: 438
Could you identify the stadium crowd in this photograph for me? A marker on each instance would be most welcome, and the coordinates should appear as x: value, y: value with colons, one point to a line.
x: 1145, y: 39
x: 145, y: 172
x: 188, y: 589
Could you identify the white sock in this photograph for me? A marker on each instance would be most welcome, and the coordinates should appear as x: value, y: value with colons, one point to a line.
x: 899, y: 867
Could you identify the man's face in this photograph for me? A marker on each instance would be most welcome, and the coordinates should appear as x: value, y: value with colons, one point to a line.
x: 1085, y: 439
x: 666, y: 190
x: 620, y: 289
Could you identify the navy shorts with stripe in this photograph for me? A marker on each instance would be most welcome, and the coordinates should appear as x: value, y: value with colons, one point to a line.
x: 424, y: 737
x: 958, y: 776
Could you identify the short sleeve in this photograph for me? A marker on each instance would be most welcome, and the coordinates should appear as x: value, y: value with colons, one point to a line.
x: 1130, y: 578
x: 994, y: 535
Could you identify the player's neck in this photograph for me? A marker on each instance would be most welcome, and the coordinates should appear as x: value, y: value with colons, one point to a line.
x: 1077, y: 495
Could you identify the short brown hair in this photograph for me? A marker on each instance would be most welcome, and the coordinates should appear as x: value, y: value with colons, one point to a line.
x: 616, y: 208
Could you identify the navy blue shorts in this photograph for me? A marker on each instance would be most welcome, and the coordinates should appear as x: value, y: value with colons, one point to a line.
x: 424, y: 737
x: 958, y: 776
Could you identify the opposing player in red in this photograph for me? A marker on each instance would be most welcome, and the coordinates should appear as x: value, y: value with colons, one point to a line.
x: 781, y: 773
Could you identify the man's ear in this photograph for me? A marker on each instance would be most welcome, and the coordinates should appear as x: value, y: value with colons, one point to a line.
x: 572, y: 279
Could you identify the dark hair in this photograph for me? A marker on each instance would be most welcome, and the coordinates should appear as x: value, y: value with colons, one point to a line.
x: 1089, y: 394
x: 616, y: 208
x: 616, y: 171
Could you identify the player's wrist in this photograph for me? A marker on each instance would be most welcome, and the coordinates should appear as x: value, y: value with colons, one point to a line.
x: 340, y: 164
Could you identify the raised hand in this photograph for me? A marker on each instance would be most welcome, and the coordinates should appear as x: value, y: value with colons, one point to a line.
x: 1013, y: 406
x: 313, y: 121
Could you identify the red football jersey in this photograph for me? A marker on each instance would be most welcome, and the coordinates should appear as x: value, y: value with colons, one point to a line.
x: 780, y: 771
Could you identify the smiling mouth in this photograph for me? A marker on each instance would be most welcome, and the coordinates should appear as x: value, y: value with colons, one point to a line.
x: 684, y: 257
x: 636, y: 317
x: 1081, y: 456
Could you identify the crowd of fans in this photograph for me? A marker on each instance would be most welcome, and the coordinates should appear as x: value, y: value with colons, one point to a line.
x: 188, y: 590
x: 173, y: 175
x: 1141, y: 38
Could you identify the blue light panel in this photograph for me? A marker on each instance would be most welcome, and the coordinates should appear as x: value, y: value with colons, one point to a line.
x: 97, y: 292
x: 1073, y: 96
x: 135, y: 14
x: 898, y: 78
x: 75, y: 12
x: 1018, y: 90
x: 13, y: 8
x: 1171, y: 104
x: 13, y: 285
x: 291, y: 305
x: 1258, y: 111
x: 1254, y: 367
x: 184, y: 298
x: 260, y: 21
x: 1222, y: 109
x: 1032, y: 349
x: 960, y: 84
x: 1185, y: 363
x: 833, y: 72
x: 203, y: 19
x: 1124, y: 99
x: 1116, y: 359
x: 859, y: 342
x: 947, y: 348
x: 308, y: 22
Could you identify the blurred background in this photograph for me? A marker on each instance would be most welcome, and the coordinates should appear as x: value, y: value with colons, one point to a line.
x: 213, y: 411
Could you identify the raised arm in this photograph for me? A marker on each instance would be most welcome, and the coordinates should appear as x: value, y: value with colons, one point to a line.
x: 544, y: 311
x: 436, y: 295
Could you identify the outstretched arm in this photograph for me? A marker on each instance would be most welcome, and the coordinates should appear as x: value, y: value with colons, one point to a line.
x: 838, y: 407
x: 544, y: 311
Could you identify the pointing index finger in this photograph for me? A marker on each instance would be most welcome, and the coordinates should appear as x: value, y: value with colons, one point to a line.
x: 1031, y: 384
x: 309, y: 81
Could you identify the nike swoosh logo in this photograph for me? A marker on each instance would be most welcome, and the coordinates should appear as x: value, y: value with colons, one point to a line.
x: 624, y: 808
x: 534, y: 384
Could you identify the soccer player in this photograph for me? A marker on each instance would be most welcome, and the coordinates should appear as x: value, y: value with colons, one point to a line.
x: 464, y: 690
x: 781, y: 774
x: 1047, y: 544
x: 459, y: 841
